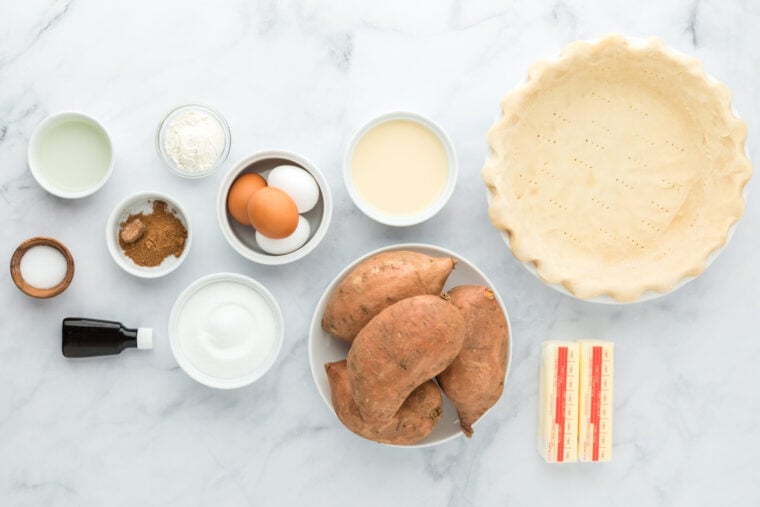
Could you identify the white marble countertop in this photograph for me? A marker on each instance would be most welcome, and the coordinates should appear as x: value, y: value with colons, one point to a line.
x: 302, y: 75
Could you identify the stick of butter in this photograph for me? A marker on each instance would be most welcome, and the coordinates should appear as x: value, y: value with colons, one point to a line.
x: 595, y: 401
x: 558, y: 402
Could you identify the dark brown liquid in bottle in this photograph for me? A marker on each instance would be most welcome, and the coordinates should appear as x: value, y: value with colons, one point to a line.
x: 92, y: 337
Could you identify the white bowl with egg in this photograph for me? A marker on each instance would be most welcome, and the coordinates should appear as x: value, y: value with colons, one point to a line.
x: 226, y: 330
x: 400, y: 168
x: 70, y: 154
x: 143, y: 203
x: 243, y: 238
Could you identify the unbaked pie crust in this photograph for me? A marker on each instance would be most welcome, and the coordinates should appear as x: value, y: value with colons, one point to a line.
x: 617, y: 168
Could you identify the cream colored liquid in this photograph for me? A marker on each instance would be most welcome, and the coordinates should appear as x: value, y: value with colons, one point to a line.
x: 400, y: 167
x: 73, y: 155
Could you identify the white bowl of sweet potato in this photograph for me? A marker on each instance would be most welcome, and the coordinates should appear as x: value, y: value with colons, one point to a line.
x: 410, y: 345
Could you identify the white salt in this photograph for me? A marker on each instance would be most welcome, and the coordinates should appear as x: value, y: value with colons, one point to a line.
x: 43, y: 267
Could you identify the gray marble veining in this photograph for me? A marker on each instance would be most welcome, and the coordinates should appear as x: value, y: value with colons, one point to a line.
x: 303, y: 75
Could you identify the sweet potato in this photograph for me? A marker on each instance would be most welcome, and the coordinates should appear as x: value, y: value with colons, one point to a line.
x: 405, y: 345
x: 414, y: 421
x: 377, y: 283
x: 475, y: 380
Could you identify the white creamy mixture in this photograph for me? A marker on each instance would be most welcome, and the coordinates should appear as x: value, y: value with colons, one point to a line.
x: 194, y: 140
x: 226, y: 330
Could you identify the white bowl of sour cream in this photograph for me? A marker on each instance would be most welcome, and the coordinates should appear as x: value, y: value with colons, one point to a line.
x: 226, y: 330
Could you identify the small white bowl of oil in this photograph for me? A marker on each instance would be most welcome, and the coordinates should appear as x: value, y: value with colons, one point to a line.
x: 70, y: 154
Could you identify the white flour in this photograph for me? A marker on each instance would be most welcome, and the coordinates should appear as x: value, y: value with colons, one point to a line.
x: 194, y: 140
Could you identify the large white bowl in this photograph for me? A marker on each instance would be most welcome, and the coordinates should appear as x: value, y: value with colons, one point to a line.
x: 143, y: 203
x: 242, y: 237
x: 324, y: 348
x: 201, y: 376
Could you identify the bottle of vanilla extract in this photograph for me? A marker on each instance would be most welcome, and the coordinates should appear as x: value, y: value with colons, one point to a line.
x: 83, y: 337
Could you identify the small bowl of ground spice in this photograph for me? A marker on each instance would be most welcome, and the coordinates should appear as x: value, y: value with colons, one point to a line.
x: 148, y: 234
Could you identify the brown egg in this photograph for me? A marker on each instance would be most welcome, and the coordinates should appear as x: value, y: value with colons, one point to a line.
x: 240, y: 192
x: 273, y: 213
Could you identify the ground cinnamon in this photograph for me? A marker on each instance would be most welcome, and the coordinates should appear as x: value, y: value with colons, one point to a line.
x: 163, y: 235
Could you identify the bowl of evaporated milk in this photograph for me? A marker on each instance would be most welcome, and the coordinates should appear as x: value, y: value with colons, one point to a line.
x: 70, y: 155
x: 400, y: 168
x: 226, y: 330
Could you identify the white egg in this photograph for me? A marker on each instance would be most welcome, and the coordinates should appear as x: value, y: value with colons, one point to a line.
x: 297, y: 183
x: 286, y: 245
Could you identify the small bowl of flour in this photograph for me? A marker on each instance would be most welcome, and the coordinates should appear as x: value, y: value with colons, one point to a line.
x: 193, y: 140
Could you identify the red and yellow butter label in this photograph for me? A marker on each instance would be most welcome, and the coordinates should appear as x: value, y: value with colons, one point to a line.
x: 595, y: 401
x: 558, y: 402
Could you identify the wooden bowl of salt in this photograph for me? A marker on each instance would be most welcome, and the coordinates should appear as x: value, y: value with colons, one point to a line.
x: 42, y: 267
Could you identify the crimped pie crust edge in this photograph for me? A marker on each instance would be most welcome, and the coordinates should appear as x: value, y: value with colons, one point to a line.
x: 529, y: 251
